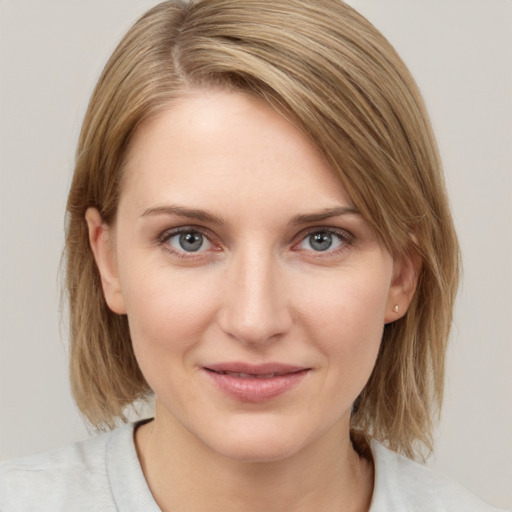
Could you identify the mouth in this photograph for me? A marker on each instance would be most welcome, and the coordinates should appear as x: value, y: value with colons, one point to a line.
x: 255, y: 383
x: 241, y: 375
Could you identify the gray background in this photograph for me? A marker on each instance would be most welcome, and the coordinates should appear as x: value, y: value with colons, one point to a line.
x: 460, y: 52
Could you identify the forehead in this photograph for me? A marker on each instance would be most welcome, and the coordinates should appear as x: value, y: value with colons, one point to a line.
x: 211, y: 145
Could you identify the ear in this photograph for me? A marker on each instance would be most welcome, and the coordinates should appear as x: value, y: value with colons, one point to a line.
x: 406, y: 272
x: 100, y: 238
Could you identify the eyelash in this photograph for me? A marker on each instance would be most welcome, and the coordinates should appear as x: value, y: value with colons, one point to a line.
x: 345, y: 238
x: 164, y: 238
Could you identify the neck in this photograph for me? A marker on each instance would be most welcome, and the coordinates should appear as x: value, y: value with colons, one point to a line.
x: 185, y: 475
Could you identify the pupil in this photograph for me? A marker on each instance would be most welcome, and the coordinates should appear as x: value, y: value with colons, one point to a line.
x: 321, y: 241
x: 191, y: 241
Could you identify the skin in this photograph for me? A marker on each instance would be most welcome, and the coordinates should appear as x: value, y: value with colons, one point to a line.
x: 258, y: 290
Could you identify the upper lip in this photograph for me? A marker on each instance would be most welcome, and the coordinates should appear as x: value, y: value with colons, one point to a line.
x: 254, y: 369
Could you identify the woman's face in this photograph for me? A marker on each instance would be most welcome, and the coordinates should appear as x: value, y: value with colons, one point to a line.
x: 255, y: 292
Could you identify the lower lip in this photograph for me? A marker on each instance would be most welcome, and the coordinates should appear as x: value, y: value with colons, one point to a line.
x: 254, y: 389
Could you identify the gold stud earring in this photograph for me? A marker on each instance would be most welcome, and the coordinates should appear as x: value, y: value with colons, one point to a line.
x: 396, y: 309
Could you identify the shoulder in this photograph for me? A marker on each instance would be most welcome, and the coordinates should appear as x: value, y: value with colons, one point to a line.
x: 404, y: 485
x: 71, y: 478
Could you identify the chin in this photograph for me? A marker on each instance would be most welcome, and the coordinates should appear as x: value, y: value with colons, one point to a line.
x: 258, y: 440
x: 258, y: 450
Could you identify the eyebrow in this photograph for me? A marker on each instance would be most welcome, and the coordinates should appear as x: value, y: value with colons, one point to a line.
x: 204, y: 216
x: 190, y: 213
x: 325, y: 214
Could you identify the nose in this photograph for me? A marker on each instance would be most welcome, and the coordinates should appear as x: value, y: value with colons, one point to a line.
x: 256, y: 306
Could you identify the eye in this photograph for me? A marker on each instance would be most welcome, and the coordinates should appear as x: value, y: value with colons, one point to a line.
x: 187, y: 240
x: 323, y: 240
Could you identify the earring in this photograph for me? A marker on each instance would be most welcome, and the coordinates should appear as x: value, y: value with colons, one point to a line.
x: 396, y: 309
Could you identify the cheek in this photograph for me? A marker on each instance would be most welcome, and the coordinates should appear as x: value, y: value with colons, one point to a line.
x: 167, y: 311
x: 353, y: 302
x: 346, y: 318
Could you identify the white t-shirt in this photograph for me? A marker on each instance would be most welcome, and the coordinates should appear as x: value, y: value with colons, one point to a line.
x: 103, y: 474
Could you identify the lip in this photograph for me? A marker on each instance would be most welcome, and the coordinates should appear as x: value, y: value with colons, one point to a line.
x: 255, y: 383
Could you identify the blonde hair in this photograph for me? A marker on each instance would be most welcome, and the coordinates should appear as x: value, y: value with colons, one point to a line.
x: 328, y: 70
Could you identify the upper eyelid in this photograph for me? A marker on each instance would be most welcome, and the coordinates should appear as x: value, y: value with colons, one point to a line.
x: 168, y: 233
x: 297, y: 238
x: 319, y: 229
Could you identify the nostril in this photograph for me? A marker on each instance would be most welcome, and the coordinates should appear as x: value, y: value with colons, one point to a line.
x: 256, y: 328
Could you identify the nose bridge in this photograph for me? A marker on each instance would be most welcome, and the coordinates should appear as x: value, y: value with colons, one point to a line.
x: 255, y: 307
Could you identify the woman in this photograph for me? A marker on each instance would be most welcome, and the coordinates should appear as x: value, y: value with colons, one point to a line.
x: 258, y: 235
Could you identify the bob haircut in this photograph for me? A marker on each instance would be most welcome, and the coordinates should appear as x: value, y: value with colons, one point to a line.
x: 330, y: 72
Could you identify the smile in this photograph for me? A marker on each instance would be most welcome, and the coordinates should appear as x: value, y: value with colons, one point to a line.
x: 252, y: 375
x: 250, y: 383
